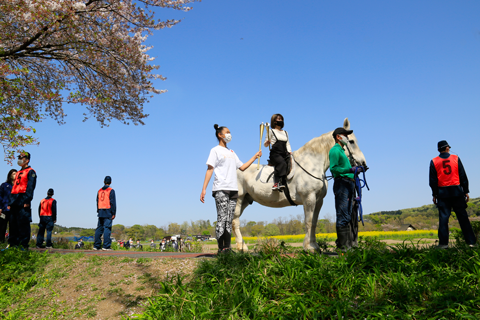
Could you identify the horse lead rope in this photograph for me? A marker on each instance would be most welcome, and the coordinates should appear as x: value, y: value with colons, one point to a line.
x: 311, y: 175
x: 358, y: 187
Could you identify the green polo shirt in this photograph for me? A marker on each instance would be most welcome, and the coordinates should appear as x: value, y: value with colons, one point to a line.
x: 339, y: 163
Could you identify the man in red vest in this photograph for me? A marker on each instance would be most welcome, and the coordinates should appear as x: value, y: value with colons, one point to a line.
x: 20, y: 202
x: 449, y: 184
x: 106, y: 208
x: 47, y: 210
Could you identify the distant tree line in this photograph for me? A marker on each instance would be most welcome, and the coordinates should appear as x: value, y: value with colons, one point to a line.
x: 424, y: 217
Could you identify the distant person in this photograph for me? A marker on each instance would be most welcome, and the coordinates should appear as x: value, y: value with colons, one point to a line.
x: 106, y: 208
x: 224, y: 162
x: 449, y: 184
x: 280, y: 152
x: 20, y: 205
x: 152, y: 244
x: 344, y: 190
x: 80, y: 244
x: 174, y: 243
x: 47, y: 211
x: 138, y: 246
x: 163, y: 245
x: 5, y: 191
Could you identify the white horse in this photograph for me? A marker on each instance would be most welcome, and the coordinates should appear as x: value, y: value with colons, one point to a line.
x: 304, y: 189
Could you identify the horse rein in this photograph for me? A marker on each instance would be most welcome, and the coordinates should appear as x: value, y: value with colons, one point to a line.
x: 325, y: 177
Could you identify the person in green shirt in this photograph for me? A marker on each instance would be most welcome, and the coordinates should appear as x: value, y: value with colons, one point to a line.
x: 344, y: 190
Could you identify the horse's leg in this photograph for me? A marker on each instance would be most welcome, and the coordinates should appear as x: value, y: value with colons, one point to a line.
x: 242, y: 203
x: 316, y: 212
x: 311, y: 208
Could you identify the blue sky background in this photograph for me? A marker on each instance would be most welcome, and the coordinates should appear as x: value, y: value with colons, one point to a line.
x: 406, y: 74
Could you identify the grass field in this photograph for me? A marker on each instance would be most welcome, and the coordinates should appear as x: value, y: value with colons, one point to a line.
x: 393, y: 235
x: 374, y: 281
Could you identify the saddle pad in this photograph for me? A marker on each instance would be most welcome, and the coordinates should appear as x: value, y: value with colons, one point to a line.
x: 266, y: 172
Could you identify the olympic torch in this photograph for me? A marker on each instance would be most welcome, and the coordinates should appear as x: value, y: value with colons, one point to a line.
x: 262, y: 126
x: 267, y: 126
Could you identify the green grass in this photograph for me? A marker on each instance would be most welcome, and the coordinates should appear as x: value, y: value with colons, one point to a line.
x: 20, y: 271
x: 371, y: 282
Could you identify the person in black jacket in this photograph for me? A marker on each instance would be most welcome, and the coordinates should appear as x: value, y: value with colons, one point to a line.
x: 5, y: 191
x: 449, y: 184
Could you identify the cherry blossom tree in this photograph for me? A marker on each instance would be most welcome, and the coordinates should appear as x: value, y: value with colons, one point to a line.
x: 88, y: 52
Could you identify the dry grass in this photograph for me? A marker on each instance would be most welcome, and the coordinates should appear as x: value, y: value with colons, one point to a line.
x: 92, y: 287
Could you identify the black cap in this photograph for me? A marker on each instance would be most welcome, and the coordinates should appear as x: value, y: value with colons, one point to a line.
x: 50, y: 191
x: 442, y: 144
x: 107, y: 180
x: 341, y: 130
x: 24, y: 154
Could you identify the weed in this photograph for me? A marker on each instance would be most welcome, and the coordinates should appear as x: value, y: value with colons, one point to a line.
x: 144, y: 260
x: 115, y: 290
x: 91, y: 313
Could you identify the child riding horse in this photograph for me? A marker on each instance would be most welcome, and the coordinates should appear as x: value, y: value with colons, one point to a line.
x: 280, y: 151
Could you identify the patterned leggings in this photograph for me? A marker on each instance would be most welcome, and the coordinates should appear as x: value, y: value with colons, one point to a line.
x: 225, y: 211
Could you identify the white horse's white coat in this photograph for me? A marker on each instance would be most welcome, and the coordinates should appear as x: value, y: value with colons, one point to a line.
x: 304, y: 189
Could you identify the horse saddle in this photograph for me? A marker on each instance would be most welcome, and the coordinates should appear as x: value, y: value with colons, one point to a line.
x: 266, y: 172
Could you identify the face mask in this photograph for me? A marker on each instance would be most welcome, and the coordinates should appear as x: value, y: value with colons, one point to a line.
x: 344, y: 140
x: 20, y: 162
x: 280, y: 123
x: 228, y: 137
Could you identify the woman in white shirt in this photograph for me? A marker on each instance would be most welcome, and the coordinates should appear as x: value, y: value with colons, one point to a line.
x: 280, y: 151
x: 224, y: 162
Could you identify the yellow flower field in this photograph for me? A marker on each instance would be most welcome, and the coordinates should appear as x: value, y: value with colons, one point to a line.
x: 394, y: 235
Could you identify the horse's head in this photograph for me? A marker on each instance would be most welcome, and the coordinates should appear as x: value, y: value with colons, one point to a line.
x: 353, y: 150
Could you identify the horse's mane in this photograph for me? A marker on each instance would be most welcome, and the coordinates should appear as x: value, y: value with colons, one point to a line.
x: 319, y: 144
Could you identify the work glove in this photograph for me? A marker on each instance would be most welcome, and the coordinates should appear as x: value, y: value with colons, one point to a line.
x: 358, y: 169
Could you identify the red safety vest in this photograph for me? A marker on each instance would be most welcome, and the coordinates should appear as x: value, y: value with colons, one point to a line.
x: 46, y: 207
x: 447, y: 171
x: 21, y: 180
x: 104, y: 198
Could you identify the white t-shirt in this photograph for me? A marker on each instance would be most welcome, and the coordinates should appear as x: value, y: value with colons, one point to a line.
x: 281, y: 135
x: 225, y: 164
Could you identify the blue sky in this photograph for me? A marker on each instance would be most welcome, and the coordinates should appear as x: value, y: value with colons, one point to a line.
x: 406, y: 74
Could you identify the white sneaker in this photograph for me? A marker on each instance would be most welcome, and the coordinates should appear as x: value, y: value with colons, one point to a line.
x: 107, y: 249
x: 48, y: 247
x: 442, y: 246
x: 473, y: 245
x: 95, y: 249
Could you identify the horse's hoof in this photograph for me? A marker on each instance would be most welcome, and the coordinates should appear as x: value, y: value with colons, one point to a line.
x: 311, y: 247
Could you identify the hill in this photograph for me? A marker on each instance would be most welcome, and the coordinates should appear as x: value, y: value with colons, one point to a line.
x: 424, y: 217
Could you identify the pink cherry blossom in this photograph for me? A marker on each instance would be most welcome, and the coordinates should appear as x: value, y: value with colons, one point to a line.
x: 88, y: 52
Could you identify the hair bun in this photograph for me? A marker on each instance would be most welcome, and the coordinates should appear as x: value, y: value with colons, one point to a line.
x: 215, y: 126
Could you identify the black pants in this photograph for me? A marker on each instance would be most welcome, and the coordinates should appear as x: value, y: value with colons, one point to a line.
x: 458, y: 205
x: 3, y: 226
x: 20, y: 231
x: 280, y: 164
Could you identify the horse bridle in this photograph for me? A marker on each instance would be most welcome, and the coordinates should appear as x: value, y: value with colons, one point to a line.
x: 351, y: 157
